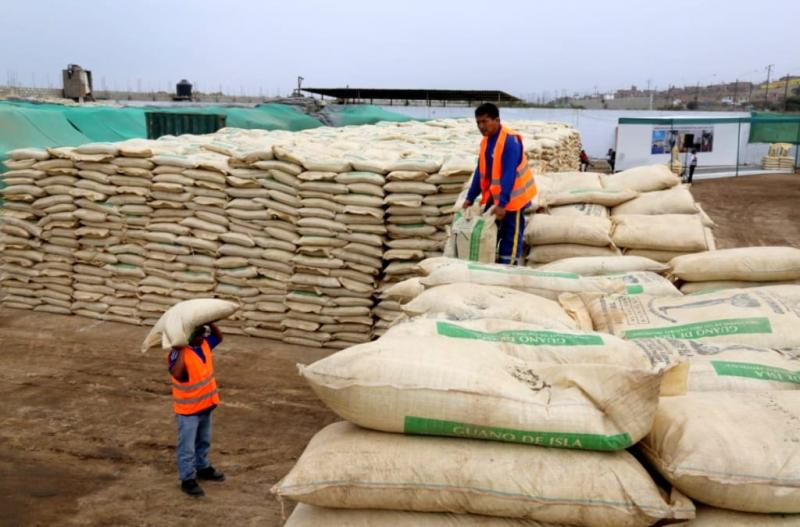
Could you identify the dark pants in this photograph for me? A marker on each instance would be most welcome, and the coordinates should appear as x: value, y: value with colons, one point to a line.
x: 691, y: 173
x: 584, y: 166
x: 509, y: 237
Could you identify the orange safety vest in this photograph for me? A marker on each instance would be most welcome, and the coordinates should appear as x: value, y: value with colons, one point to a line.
x: 524, y: 186
x: 199, y: 392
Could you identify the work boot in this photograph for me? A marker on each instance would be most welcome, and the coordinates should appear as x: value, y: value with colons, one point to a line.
x: 191, y: 487
x: 211, y: 474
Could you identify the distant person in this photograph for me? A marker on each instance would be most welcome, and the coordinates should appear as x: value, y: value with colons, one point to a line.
x: 194, y: 397
x: 584, y: 161
x: 504, y: 181
x: 612, y: 158
x: 692, y: 165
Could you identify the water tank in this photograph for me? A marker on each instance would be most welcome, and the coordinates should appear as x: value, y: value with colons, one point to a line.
x: 184, y: 90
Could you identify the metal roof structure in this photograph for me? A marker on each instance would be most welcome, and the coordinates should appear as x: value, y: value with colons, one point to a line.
x: 415, y: 94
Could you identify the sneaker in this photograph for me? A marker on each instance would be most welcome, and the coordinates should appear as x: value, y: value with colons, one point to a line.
x: 211, y: 474
x: 190, y: 487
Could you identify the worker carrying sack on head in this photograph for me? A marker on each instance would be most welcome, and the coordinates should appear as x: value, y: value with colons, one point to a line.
x: 504, y: 180
x: 195, y: 395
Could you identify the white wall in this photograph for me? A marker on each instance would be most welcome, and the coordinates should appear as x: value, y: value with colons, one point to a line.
x: 634, y: 144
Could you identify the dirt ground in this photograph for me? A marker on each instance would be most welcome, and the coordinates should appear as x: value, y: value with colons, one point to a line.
x: 87, y: 435
x: 752, y: 210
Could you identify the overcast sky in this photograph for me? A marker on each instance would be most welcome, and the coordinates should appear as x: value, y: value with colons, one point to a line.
x: 523, y: 47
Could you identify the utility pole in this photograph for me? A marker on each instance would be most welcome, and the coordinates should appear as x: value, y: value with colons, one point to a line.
x: 766, y: 90
x: 696, y: 93
x: 786, y: 93
x: 735, y: 90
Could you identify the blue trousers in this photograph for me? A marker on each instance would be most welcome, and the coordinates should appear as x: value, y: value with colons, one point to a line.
x: 509, y: 237
x: 194, y: 442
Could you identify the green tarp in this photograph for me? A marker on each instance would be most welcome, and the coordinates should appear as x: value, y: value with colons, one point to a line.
x: 25, y: 124
x: 362, y: 114
x: 774, y: 128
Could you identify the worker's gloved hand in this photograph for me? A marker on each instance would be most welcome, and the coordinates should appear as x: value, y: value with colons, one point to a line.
x: 499, y: 212
x: 467, y: 204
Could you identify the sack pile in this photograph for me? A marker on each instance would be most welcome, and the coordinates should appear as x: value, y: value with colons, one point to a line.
x: 663, y: 221
x: 584, y: 214
x: 778, y: 157
x: 478, y: 362
x: 428, y: 448
x: 302, y: 229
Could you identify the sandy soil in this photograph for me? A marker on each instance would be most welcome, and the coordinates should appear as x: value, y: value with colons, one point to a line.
x: 752, y: 210
x: 87, y: 435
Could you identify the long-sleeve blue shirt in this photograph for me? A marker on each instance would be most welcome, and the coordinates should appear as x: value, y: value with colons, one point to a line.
x: 512, y: 157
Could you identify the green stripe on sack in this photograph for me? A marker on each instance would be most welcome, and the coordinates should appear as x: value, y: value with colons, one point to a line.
x: 525, y: 337
x: 475, y: 240
x: 755, y: 371
x: 521, y: 272
x: 712, y: 328
x: 634, y: 289
x: 437, y: 427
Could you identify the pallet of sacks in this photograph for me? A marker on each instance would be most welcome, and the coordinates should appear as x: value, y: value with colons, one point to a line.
x: 778, y: 157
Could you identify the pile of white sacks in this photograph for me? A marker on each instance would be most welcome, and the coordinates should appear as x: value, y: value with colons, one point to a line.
x: 779, y: 156
x: 300, y: 228
x: 643, y: 211
x: 492, y: 404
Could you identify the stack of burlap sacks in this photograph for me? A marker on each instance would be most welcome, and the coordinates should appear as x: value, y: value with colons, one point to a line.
x: 301, y: 228
x: 778, y: 156
x: 642, y: 211
x: 483, y: 335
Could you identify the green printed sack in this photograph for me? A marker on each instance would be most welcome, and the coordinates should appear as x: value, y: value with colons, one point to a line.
x: 520, y: 384
x: 767, y: 317
x: 727, y: 367
x: 348, y: 467
x: 475, y: 236
x: 647, y: 283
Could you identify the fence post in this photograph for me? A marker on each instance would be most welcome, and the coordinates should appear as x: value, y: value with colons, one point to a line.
x: 738, y: 145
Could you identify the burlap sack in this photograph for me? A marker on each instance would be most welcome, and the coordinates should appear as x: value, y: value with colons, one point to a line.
x: 348, y: 467
x: 730, y: 450
x: 766, y: 317
x: 750, y: 264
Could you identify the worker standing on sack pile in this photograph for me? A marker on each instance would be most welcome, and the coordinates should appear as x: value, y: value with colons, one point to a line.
x: 504, y: 180
x: 194, y: 394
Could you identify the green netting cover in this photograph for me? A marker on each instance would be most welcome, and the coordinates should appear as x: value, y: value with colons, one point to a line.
x: 774, y: 128
x: 108, y: 124
x: 366, y: 114
x: 271, y: 116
